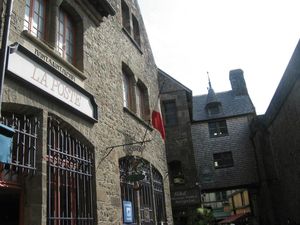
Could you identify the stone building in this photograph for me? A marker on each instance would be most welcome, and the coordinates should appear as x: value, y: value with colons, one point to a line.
x: 224, y: 154
x: 79, y: 89
x: 277, y: 142
x: 176, y: 104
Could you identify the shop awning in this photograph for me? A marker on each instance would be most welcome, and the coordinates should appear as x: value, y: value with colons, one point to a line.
x: 232, y: 218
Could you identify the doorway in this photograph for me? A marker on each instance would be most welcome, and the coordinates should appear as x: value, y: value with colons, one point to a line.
x: 9, y: 207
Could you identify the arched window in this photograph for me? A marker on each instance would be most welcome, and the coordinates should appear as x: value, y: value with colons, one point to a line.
x: 140, y: 181
x: 34, y: 20
x: 24, y: 144
x: 70, y: 191
x: 66, y: 36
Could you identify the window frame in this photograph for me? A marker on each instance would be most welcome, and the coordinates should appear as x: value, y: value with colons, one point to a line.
x: 142, y: 101
x: 128, y: 90
x: 136, y: 30
x: 217, y: 128
x: 68, y: 36
x: 226, y: 159
x: 126, y: 21
x: 131, y: 25
x: 146, y: 193
x: 29, y: 25
x: 70, y: 176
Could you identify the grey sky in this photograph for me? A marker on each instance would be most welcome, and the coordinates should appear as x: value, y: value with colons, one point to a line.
x: 191, y: 37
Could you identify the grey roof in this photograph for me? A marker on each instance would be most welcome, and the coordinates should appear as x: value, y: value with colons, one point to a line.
x: 211, y: 97
x: 231, y: 106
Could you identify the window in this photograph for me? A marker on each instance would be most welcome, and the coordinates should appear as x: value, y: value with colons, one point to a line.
x: 23, y: 160
x: 130, y: 24
x: 127, y: 90
x: 217, y: 128
x: 148, y: 190
x: 221, y: 196
x: 176, y: 173
x: 170, y: 112
x: 142, y: 103
x: 223, y: 160
x: 159, y: 197
x: 126, y: 17
x: 70, y: 191
x: 136, y: 30
x: 35, y: 17
x: 213, y: 109
x: 57, y: 27
x: 65, y: 36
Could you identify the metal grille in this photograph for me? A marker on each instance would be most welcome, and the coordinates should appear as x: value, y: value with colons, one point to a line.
x: 159, y: 197
x: 24, y: 143
x: 127, y: 188
x: 70, y: 178
x: 146, y: 197
x: 148, y: 191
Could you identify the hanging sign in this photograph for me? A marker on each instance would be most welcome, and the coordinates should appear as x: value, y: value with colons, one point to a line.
x: 32, y: 69
x: 127, y: 212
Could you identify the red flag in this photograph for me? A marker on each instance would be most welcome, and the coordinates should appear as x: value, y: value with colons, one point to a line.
x: 157, y: 121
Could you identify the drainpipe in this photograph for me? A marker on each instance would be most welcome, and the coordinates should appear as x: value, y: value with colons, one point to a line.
x: 4, y: 47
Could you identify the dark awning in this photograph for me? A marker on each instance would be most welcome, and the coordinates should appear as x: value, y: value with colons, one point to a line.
x: 233, y: 218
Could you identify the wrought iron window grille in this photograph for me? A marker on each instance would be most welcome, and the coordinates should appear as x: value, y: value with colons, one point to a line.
x: 24, y: 147
x: 70, y: 177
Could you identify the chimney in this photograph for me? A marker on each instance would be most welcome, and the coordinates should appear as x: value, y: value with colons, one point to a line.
x: 237, y: 81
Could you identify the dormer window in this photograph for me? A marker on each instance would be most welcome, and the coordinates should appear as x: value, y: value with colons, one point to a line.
x: 213, y: 108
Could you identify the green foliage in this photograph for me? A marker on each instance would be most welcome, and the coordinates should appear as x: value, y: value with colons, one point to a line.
x: 203, y: 216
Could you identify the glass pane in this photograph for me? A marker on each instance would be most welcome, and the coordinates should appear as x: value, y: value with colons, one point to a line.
x: 36, y: 6
x: 35, y: 21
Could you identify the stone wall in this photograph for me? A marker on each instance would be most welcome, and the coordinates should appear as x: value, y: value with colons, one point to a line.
x: 243, y: 171
x: 105, y: 47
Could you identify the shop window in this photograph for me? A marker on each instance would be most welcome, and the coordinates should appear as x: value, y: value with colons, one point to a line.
x: 176, y: 174
x: 217, y: 128
x: 70, y: 191
x: 136, y: 30
x: 170, y: 112
x: 223, y: 160
x: 126, y: 17
x: 65, y: 36
x: 221, y: 196
x: 142, y: 102
x: 34, y: 20
x: 140, y: 181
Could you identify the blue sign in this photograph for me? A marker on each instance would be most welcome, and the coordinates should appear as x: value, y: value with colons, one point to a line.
x: 128, y: 212
x: 6, y: 138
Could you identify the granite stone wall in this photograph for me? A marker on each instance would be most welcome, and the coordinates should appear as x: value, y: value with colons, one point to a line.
x: 104, y: 49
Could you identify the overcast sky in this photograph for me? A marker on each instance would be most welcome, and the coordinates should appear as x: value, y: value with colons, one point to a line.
x: 190, y: 37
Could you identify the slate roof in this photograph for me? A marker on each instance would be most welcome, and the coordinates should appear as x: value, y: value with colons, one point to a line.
x: 231, y: 106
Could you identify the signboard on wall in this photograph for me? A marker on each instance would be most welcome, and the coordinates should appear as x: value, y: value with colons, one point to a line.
x: 186, y: 197
x: 33, y: 70
x: 127, y: 212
